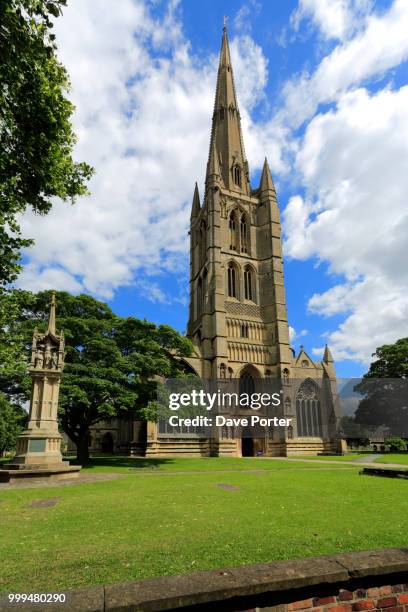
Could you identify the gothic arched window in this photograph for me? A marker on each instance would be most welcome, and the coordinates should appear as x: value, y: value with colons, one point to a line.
x: 204, y: 290
x: 246, y: 384
x: 249, y: 284
x: 203, y: 241
x: 237, y: 175
x: 233, y: 232
x: 199, y: 296
x: 244, y: 330
x: 222, y: 112
x: 244, y: 234
x: 232, y: 281
x: 308, y: 410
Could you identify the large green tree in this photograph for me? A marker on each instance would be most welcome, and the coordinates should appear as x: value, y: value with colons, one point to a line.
x: 12, y: 353
x: 36, y: 135
x: 385, y: 389
x: 12, y: 420
x: 111, y: 362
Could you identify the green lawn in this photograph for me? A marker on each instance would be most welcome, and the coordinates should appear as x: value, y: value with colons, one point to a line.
x: 127, y: 465
x: 400, y: 458
x: 165, y: 523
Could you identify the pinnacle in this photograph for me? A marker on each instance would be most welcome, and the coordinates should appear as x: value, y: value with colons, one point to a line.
x: 214, y: 166
x: 327, y: 356
x: 266, y: 178
x: 51, y: 319
x: 196, y: 206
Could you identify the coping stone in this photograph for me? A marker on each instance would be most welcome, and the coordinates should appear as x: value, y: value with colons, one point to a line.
x: 374, y: 562
x: 222, y: 584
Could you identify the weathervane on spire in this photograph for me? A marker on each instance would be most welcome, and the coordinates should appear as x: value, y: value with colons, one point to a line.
x: 225, y: 22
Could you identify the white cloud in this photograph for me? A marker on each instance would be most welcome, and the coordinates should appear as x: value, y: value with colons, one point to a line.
x: 144, y: 105
x: 334, y: 18
x: 153, y: 292
x: 353, y: 165
x: 294, y: 335
x: 378, y: 309
x: 143, y: 118
x: 381, y: 45
x: 245, y: 14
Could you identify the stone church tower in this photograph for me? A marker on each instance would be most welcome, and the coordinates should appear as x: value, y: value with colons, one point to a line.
x: 238, y: 318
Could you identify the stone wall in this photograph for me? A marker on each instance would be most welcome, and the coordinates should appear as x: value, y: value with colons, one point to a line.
x: 347, y: 582
x: 391, y: 597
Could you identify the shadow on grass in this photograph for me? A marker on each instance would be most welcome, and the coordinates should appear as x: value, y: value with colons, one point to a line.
x: 117, y: 461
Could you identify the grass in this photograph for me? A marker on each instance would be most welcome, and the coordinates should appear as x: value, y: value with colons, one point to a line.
x: 128, y: 465
x: 400, y: 458
x: 136, y: 527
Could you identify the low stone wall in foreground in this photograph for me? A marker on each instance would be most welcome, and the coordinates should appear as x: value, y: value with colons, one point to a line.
x: 347, y: 582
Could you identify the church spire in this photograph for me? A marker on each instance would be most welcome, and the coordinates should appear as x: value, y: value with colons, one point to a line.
x: 226, y: 135
x: 196, y: 206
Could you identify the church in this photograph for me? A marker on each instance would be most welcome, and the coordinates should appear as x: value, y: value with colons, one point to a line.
x: 238, y: 319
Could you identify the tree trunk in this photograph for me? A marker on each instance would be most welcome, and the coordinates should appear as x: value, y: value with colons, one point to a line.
x: 82, y: 448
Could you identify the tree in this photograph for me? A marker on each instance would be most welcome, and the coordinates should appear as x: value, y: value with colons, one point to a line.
x: 351, y: 429
x: 385, y: 387
x: 12, y: 353
x: 392, y: 361
x: 111, y: 362
x: 12, y: 420
x: 36, y: 136
x: 396, y: 444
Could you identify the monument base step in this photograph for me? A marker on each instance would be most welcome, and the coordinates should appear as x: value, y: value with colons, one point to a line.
x: 8, y: 474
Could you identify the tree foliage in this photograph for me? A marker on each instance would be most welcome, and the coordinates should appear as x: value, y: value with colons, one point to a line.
x: 111, y: 363
x: 12, y: 420
x: 12, y: 353
x: 351, y: 429
x: 396, y: 444
x: 391, y: 362
x: 36, y: 135
x: 385, y: 389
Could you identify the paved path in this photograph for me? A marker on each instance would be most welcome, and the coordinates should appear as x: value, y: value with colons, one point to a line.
x: 369, y: 459
x: 364, y: 461
x: 38, y: 483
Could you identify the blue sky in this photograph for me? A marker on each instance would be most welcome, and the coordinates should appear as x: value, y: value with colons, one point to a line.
x: 322, y: 88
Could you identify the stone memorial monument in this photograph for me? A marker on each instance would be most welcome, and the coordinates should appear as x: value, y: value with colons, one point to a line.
x: 38, y: 452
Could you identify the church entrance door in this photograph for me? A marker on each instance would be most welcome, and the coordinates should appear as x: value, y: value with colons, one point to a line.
x: 247, y: 447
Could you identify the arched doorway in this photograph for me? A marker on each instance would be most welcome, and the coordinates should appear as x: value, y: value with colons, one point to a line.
x: 253, y: 442
x: 247, y: 447
x: 107, y: 443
